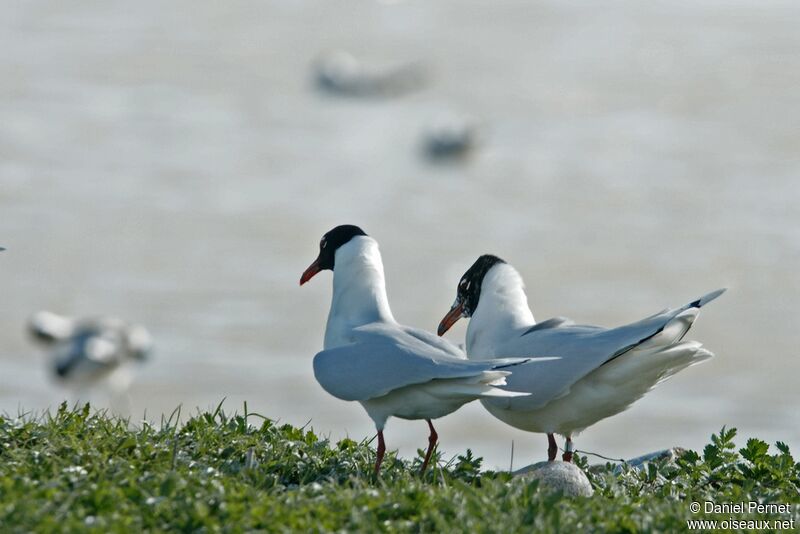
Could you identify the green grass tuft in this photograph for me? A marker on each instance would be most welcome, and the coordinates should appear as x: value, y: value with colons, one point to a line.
x: 78, y: 470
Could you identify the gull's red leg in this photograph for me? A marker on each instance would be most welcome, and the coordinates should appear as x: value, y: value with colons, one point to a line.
x: 431, y: 443
x: 381, y: 452
x: 568, y: 448
x: 552, y: 448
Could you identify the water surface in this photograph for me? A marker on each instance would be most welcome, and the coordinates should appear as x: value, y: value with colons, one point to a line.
x: 174, y: 165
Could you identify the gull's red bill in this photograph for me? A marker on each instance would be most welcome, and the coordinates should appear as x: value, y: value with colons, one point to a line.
x: 450, y: 319
x: 309, y: 273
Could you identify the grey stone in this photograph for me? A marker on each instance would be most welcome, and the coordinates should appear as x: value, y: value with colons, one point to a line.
x: 559, y: 476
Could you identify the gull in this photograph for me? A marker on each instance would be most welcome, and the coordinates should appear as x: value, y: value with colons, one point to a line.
x: 602, y: 371
x: 87, y: 351
x: 391, y: 369
x: 340, y: 73
x: 450, y: 138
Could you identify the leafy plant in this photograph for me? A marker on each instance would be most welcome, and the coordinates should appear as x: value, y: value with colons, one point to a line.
x: 78, y: 470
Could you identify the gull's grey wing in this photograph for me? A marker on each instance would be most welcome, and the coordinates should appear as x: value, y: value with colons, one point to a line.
x: 384, y: 358
x: 87, y: 350
x: 582, y: 349
x: 436, y: 341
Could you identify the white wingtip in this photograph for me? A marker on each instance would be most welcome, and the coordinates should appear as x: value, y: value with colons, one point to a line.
x: 537, y: 359
x: 705, y: 299
x: 510, y: 362
x: 494, y: 392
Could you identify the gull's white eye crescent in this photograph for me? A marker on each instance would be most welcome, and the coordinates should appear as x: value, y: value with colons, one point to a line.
x: 322, y: 243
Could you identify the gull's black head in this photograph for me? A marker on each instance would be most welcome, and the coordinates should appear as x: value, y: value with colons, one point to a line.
x: 468, y: 291
x: 469, y: 287
x: 328, y: 245
x: 334, y: 239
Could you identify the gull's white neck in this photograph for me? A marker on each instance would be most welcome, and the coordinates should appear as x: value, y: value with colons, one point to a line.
x: 501, y: 313
x: 359, y: 290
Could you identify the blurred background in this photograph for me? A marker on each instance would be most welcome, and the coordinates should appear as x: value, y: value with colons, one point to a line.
x: 176, y: 164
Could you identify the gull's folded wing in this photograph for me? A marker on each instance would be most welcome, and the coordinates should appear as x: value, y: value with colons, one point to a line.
x: 585, y: 348
x: 384, y: 359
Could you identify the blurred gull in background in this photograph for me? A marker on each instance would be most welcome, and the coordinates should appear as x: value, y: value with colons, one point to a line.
x: 341, y: 73
x: 450, y: 138
x: 92, y: 354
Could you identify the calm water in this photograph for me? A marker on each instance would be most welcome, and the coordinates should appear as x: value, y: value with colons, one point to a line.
x: 174, y: 165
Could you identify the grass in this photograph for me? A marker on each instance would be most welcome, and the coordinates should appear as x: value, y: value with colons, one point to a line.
x: 78, y: 470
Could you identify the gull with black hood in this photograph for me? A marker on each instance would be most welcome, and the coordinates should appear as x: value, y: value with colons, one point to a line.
x: 391, y: 369
x: 601, y: 371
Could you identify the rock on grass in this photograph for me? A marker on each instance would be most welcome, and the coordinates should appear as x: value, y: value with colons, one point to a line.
x: 565, y: 477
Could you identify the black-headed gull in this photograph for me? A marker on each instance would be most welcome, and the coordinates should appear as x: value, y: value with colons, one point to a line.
x: 391, y: 369
x: 601, y: 372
